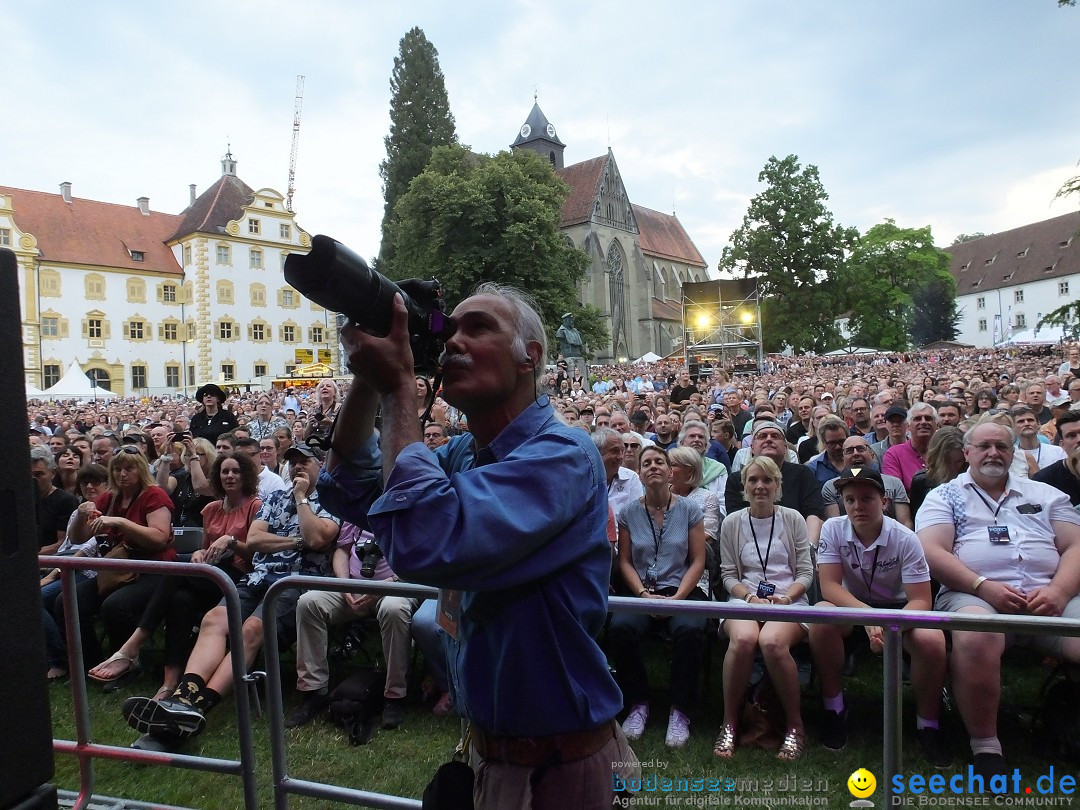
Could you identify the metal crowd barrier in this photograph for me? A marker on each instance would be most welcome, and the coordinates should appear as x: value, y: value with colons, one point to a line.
x: 82, y: 747
x: 893, y: 622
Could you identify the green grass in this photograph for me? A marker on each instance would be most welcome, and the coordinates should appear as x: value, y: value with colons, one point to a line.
x: 402, y: 761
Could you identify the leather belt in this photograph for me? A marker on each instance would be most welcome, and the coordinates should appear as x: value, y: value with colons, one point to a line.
x: 535, y: 751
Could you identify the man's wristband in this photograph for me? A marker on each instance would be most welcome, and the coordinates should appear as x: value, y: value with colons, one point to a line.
x: 975, y: 585
x: 747, y: 596
x: 643, y: 591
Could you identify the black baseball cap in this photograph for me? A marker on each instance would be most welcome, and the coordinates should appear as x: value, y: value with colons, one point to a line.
x: 301, y: 449
x: 864, y: 475
x: 896, y: 410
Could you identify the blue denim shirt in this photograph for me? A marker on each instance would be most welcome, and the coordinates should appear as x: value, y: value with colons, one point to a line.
x: 525, y: 536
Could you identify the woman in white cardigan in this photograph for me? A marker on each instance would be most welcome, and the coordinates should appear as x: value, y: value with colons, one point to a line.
x: 764, y: 560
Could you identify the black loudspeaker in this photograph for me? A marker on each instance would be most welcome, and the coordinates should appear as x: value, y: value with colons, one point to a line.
x: 26, y: 755
x: 694, y: 367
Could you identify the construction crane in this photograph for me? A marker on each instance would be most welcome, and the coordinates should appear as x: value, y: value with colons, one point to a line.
x: 295, y: 141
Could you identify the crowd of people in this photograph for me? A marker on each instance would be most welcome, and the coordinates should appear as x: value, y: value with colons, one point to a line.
x: 932, y: 480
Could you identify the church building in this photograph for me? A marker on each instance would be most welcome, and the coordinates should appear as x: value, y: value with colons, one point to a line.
x: 639, y: 257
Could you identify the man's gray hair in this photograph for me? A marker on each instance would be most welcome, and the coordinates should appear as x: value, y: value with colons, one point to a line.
x: 602, y: 435
x: 829, y: 423
x: 528, y: 326
x: 692, y: 424
x: 44, y: 454
x: 923, y: 407
x: 988, y: 419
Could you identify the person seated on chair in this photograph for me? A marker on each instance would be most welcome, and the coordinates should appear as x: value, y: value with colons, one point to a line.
x: 318, y: 610
x: 661, y: 556
x: 867, y: 559
x: 182, y: 601
x: 291, y: 534
x: 998, y: 543
x: 764, y: 561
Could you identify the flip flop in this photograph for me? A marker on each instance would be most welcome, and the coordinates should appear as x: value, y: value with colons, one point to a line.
x: 133, y: 668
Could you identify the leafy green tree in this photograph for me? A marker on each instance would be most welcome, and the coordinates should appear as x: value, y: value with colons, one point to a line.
x: 789, y: 243
x: 891, y: 268
x: 1067, y: 316
x: 420, y: 120
x: 470, y: 218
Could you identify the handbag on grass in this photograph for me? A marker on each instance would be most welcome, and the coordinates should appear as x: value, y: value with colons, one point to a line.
x: 452, y: 786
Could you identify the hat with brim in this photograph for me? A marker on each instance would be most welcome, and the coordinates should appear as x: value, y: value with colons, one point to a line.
x: 860, y: 475
x: 302, y: 450
x: 213, y: 389
x: 896, y: 410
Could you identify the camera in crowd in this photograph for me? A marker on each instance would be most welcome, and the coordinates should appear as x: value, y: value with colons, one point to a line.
x: 369, y: 554
x: 338, y: 279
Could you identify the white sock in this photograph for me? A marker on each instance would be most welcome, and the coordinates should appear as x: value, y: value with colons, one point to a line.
x: 985, y: 745
x: 835, y: 704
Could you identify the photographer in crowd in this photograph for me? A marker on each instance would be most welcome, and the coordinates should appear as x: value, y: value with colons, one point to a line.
x: 515, y: 516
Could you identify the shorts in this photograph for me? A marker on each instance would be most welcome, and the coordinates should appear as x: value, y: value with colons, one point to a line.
x: 952, y: 601
x: 251, y: 601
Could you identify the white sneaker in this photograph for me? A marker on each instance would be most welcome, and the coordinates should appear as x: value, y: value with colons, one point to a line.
x: 634, y: 724
x: 678, y: 729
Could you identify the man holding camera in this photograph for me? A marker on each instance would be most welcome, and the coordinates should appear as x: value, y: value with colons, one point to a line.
x: 515, y: 516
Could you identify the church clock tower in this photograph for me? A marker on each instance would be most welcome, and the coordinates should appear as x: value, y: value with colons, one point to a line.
x: 538, y: 135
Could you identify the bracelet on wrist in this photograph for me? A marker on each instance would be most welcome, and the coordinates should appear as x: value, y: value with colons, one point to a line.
x: 975, y: 585
x: 643, y: 591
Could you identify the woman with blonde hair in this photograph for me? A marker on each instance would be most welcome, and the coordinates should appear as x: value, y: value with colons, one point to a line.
x: 764, y: 560
x: 944, y: 461
x: 134, y: 515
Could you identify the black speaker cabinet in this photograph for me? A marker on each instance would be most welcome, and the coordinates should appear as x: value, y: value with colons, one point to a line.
x: 26, y: 755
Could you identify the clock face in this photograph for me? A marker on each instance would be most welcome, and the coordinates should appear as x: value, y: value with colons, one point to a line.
x: 550, y: 131
x: 526, y: 130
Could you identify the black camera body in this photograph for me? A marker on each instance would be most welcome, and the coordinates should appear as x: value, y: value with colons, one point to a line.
x: 369, y: 554
x: 338, y: 279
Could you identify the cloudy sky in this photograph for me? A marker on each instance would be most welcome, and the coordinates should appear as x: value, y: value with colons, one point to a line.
x: 959, y: 114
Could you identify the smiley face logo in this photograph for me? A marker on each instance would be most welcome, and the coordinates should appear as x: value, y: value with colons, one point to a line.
x: 861, y: 783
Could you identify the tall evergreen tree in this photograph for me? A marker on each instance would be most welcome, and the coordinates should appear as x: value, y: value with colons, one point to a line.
x: 420, y: 120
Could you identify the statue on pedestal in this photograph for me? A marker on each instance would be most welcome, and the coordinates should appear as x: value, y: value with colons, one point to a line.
x: 570, y: 343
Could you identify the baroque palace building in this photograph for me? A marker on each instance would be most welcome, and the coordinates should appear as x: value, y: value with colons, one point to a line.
x: 154, y: 303
x: 639, y: 258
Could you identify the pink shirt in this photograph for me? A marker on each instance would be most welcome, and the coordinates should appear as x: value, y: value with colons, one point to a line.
x: 902, y: 461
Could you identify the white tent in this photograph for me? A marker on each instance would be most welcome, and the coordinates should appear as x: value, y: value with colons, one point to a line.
x: 1047, y: 334
x: 851, y: 350
x: 76, y: 385
x: 648, y: 357
x: 33, y: 392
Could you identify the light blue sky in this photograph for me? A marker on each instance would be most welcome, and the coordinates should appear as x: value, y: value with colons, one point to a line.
x: 959, y: 114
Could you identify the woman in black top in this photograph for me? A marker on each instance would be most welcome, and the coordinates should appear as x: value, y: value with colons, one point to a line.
x: 214, y: 419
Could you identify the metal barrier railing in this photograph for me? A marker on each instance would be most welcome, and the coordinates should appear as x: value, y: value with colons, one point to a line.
x: 82, y: 747
x: 894, y: 622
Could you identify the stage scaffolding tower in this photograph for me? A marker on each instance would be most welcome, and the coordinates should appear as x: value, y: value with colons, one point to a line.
x: 721, y: 323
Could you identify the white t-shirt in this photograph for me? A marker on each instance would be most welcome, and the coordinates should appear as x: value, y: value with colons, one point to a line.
x: 1030, y: 559
x: 875, y: 574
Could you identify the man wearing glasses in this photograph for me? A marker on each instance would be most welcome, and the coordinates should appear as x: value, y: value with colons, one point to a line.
x: 857, y: 454
x: 829, y: 463
x: 998, y: 544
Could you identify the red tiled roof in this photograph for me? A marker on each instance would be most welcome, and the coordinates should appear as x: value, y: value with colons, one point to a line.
x: 663, y: 311
x: 662, y: 235
x: 1041, y: 250
x: 584, y: 181
x: 216, y: 207
x: 95, y: 233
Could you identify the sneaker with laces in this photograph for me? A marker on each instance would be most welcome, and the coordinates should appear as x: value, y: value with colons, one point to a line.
x: 678, y: 729
x: 988, y: 765
x: 934, y: 748
x: 175, y: 718
x: 634, y: 724
x: 834, y: 730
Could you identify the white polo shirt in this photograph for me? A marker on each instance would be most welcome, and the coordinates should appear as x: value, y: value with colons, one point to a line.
x: 875, y: 574
x: 625, y: 488
x: 1030, y: 559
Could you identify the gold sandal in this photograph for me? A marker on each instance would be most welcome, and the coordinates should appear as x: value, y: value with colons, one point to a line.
x: 793, y: 746
x: 724, y: 747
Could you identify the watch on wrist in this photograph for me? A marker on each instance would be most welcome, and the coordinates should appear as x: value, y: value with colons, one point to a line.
x: 303, y: 502
x: 748, y: 596
x: 299, y: 544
